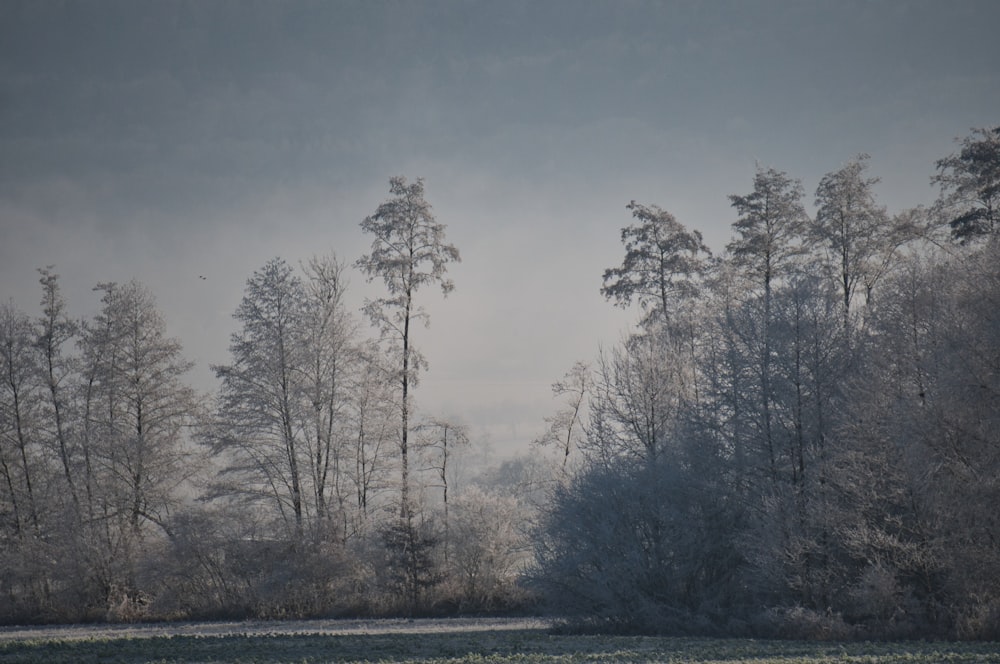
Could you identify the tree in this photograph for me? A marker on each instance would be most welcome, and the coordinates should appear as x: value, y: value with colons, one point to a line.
x: 19, y: 400
x: 853, y: 229
x: 663, y: 261
x: 285, y: 415
x: 565, y: 430
x: 138, y: 410
x: 373, y: 413
x: 769, y: 232
x: 636, y: 402
x: 770, y: 227
x: 260, y: 419
x: 408, y: 252
x: 639, y: 547
x: 970, y: 186
x: 330, y: 359
x: 148, y: 405
x: 440, y: 438
x: 56, y: 332
x: 489, y: 546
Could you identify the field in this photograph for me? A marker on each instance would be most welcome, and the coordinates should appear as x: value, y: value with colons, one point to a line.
x: 500, y: 641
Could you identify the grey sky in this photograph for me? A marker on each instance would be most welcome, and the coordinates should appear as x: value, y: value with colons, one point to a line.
x: 168, y: 140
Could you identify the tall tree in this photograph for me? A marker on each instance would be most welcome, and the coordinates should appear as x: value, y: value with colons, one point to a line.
x: 19, y: 399
x: 853, y: 229
x: 970, y: 186
x: 663, y: 270
x: 147, y: 404
x: 770, y: 227
x: 259, y: 410
x: 663, y: 261
x: 769, y: 238
x: 137, y: 410
x: 329, y: 360
x: 408, y: 252
x: 56, y: 331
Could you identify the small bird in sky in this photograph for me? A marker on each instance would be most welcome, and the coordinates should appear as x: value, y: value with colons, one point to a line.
x: 202, y: 277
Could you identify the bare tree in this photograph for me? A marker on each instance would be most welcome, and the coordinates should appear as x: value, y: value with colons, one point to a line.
x: 769, y: 232
x: 19, y: 400
x: 408, y: 252
x: 374, y: 412
x: 330, y: 358
x: 56, y: 332
x: 438, y: 440
x: 260, y: 420
x: 566, y: 428
x: 635, y: 403
x: 489, y: 549
x: 138, y: 410
x: 855, y: 232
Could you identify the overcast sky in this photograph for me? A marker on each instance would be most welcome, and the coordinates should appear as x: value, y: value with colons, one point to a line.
x: 167, y: 140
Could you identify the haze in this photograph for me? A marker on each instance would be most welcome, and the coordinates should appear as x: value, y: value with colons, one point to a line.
x: 176, y: 140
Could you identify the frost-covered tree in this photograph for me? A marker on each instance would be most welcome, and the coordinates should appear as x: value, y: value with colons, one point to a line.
x: 372, y: 420
x: 635, y: 402
x: 769, y: 233
x: 662, y: 265
x: 260, y: 419
x: 329, y: 361
x: 138, y: 409
x: 56, y: 334
x: 19, y: 425
x: 770, y: 228
x: 439, y: 439
x: 285, y: 422
x: 566, y: 428
x: 970, y: 186
x: 853, y: 231
x: 488, y: 549
x: 641, y: 546
x: 144, y: 406
x: 408, y: 252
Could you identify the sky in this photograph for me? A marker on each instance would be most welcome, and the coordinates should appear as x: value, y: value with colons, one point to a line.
x: 168, y: 141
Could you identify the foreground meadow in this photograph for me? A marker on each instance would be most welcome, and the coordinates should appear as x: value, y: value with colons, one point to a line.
x: 439, y: 641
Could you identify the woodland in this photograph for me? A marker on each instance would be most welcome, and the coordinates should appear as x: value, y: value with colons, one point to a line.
x: 800, y: 437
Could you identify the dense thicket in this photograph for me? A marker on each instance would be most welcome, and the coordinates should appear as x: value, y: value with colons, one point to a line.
x: 805, y: 439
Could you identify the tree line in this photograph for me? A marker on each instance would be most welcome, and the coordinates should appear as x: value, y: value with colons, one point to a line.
x: 308, y: 485
x: 799, y: 438
x: 803, y: 436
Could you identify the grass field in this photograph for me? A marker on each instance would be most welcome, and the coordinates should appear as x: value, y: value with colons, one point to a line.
x: 462, y: 644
